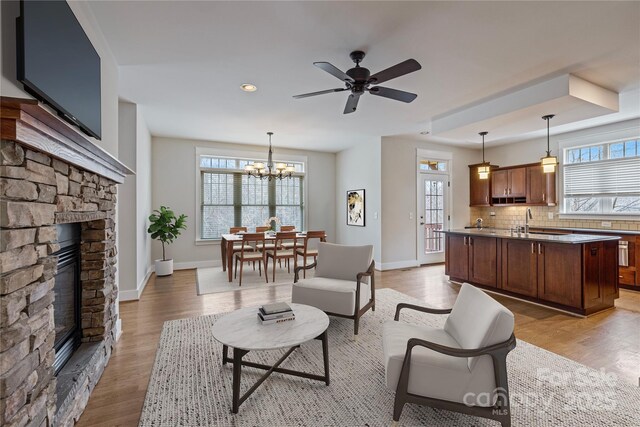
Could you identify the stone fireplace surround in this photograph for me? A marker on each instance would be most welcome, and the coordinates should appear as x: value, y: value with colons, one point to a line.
x: 50, y: 174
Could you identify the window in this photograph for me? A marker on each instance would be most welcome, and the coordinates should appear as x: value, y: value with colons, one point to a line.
x: 603, y: 178
x: 231, y: 198
x: 433, y: 165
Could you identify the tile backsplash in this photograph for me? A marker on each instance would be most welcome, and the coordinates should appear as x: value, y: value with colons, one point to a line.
x: 511, y: 216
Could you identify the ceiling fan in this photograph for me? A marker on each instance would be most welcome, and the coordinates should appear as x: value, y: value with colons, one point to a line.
x: 358, y: 80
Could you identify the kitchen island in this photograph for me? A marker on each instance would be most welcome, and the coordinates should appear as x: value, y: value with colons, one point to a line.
x: 572, y: 272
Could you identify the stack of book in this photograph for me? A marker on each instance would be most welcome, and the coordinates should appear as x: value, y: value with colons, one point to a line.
x: 275, y: 313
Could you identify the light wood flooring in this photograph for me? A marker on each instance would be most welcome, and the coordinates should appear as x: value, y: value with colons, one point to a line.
x: 609, y: 340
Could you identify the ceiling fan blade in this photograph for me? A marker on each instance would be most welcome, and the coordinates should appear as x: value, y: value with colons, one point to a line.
x: 352, y: 103
x: 398, y: 95
x: 334, y: 71
x: 406, y: 67
x: 322, y: 92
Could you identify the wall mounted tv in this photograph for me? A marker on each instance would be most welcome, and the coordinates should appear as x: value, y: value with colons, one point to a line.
x: 57, y: 63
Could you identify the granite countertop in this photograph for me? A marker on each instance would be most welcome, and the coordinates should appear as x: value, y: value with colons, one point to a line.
x: 506, y: 234
x: 590, y: 230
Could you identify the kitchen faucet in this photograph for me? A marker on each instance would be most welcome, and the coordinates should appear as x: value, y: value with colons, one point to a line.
x: 527, y: 217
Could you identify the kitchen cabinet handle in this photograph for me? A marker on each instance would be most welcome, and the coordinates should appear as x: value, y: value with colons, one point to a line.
x: 509, y: 191
x: 533, y: 246
x: 539, y: 248
x: 543, y: 197
x: 470, y: 241
x: 505, y: 192
x: 486, y: 199
x: 464, y: 240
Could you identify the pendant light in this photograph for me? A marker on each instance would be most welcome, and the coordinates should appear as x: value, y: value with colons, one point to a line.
x: 548, y: 162
x: 485, y: 167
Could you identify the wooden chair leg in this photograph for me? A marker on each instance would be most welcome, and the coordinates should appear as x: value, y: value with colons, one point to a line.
x: 274, y: 270
x: 355, y: 325
x: 266, y: 273
x: 288, y: 265
x: 304, y: 264
x: 236, y: 269
x: 241, y: 267
x: 259, y: 267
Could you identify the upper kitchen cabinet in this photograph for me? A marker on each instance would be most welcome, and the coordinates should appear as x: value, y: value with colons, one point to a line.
x: 509, y: 186
x: 541, y: 187
x: 480, y: 189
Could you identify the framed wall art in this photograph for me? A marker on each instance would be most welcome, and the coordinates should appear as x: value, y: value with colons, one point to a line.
x: 355, y: 208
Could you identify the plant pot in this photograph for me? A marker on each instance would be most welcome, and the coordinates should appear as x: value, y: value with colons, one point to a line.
x: 164, y: 268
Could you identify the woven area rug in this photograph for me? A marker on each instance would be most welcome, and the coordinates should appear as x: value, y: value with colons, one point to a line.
x: 214, y: 280
x: 190, y: 387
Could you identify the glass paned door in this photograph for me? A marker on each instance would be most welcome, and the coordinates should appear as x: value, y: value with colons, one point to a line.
x: 433, y: 217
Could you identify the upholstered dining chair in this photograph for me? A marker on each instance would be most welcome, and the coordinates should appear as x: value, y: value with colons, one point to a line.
x: 246, y: 255
x: 461, y: 367
x: 238, y: 246
x: 343, y: 284
x: 278, y: 253
x: 262, y: 229
x: 305, y: 251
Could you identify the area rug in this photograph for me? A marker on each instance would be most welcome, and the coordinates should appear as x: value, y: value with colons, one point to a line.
x: 214, y: 280
x: 190, y: 387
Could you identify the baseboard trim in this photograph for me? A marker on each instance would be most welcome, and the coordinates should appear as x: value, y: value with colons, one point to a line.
x: 399, y: 264
x: 134, y: 295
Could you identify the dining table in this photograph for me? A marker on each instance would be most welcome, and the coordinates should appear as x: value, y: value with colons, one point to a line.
x: 226, y: 249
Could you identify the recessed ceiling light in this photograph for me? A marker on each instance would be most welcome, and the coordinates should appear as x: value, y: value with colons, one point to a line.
x: 424, y: 132
x: 248, y: 87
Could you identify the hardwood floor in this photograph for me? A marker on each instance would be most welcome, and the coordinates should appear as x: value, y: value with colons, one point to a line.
x: 609, y: 340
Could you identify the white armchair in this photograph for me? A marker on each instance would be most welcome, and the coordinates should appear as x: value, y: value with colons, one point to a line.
x: 343, y: 284
x: 461, y: 367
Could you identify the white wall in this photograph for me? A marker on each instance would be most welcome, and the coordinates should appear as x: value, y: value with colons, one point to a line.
x: 134, y: 202
x: 356, y: 168
x: 143, y: 201
x: 174, y: 185
x: 399, y: 196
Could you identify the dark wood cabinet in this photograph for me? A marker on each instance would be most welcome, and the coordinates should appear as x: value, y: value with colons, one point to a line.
x: 472, y: 258
x: 517, y: 182
x: 457, y: 257
x: 600, y: 261
x: 559, y: 275
x: 541, y: 187
x: 479, y: 189
x: 578, y: 277
x: 519, y: 267
x: 483, y: 257
x: 499, y: 183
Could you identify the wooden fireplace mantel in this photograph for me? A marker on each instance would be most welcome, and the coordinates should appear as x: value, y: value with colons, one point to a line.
x: 25, y: 121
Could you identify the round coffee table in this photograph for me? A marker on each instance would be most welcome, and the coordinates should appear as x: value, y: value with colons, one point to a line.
x: 243, y: 331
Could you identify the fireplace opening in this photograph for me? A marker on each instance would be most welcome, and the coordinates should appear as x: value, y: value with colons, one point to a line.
x: 68, y: 294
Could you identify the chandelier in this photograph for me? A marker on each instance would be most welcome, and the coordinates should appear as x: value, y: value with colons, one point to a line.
x: 269, y: 171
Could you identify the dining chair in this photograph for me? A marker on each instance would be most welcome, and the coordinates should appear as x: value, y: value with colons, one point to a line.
x: 237, y: 246
x: 305, y: 252
x: 279, y: 253
x: 249, y: 255
x: 262, y: 229
x: 290, y: 245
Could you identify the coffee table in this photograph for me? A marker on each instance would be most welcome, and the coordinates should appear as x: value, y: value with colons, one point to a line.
x: 242, y: 331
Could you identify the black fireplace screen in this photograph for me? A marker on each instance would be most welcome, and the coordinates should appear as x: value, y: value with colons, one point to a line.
x: 67, y: 289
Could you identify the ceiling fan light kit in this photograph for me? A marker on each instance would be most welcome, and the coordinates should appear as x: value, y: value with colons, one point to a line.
x: 269, y: 171
x: 359, y: 80
x: 485, y: 167
x: 548, y: 162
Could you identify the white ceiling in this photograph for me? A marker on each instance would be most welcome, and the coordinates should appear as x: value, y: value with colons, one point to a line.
x: 183, y: 62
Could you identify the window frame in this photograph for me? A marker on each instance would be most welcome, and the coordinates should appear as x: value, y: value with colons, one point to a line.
x: 243, y: 155
x: 600, y: 138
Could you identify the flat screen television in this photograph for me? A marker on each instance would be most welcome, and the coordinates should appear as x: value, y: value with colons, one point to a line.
x: 57, y: 63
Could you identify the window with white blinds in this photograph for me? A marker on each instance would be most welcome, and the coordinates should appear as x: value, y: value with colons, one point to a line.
x: 602, y: 178
x: 231, y: 198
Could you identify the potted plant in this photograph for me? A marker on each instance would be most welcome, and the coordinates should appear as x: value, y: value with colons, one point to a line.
x: 165, y: 226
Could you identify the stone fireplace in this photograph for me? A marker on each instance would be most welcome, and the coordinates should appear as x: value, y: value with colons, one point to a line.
x: 51, y: 176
